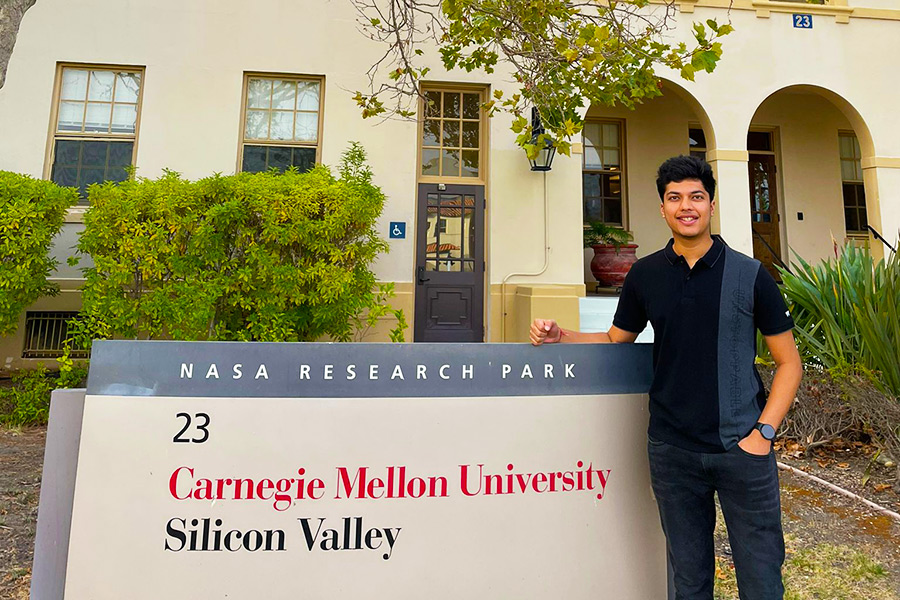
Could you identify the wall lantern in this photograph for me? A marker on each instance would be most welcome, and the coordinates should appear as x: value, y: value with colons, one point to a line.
x: 544, y: 157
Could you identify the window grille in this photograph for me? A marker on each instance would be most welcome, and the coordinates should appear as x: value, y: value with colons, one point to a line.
x: 45, y: 332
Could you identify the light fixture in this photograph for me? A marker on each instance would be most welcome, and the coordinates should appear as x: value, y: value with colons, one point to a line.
x: 544, y: 157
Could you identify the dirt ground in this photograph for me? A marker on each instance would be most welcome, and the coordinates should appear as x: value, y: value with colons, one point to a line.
x: 812, y: 514
x: 21, y: 459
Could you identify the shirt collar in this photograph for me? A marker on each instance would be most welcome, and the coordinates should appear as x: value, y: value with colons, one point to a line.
x: 709, y: 259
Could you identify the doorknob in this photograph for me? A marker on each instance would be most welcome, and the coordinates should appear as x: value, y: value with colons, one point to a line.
x: 420, y: 275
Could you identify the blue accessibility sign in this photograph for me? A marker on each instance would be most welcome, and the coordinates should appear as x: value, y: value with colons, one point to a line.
x: 397, y: 230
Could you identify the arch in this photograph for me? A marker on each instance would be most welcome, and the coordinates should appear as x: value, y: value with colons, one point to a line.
x: 866, y: 143
x: 863, y: 134
x: 689, y: 99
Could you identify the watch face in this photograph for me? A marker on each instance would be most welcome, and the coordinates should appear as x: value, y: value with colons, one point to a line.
x: 767, y: 431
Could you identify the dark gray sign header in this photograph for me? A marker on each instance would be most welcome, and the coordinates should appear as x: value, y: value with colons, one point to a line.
x: 269, y: 370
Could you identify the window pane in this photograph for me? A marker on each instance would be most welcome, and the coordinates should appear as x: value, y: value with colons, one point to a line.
x: 97, y: 117
x: 611, y: 134
x: 304, y: 159
x: 851, y: 219
x: 71, y: 116
x: 468, y: 230
x: 450, y: 265
x: 120, y: 153
x: 701, y: 154
x: 254, y: 159
x: 848, y: 170
x: 93, y: 154
x: 451, y: 134
x: 74, y: 84
x: 759, y: 140
x: 66, y: 152
x: 308, y: 95
x: 65, y: 176
x: 101, y: 86
x: 846, y: 146
x: 91, y: 176
x: 857, y: 153
x: 258, y: 93
x: 593, y: 209
x: 611, y: 159
x: 127, y: 87
x: 124, y: 117
x: 282, y: 126
x: 592, y: 158
x: 307, y: 127
x: 470, y: 163
x: 116, y: 174
x: 863, y: 219
x: 431, y: 130
x: 280, y: 157
x: 257, y: 124
x: 612, y: 211
x: 432, y: 104
x: 451, y: 105
x: 450, y: 163
x: 471, y: 106
x: 590, y: 184
x: 431, y: 162
x: 592, y: 134
x: 284, y: 94
x: 697, y: 138
x: 470, y: 134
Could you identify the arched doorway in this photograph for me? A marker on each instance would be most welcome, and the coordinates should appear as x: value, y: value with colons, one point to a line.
x: 806, y: 150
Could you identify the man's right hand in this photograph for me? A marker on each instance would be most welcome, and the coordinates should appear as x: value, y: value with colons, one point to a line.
x: 544, y: 331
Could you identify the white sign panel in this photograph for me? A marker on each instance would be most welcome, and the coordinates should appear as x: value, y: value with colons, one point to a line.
x: 476, y: 496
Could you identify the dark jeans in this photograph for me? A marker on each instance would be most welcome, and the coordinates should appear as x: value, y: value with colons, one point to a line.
x: 747, y: 485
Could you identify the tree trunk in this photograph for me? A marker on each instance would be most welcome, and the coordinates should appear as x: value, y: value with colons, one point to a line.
x: 11, y: 13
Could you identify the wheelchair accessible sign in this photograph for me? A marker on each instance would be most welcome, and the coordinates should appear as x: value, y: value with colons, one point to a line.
x: 397, y: 230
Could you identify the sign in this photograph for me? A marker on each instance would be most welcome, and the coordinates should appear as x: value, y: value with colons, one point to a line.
x: 346, y: 470
x: 398, y: 230
x: 803, y: 21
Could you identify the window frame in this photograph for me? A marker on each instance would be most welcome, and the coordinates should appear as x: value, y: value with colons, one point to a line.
x: 295, y: 77
x: 858, y: 183
x: 54, y: 135
x: 704, y: 148
x: 623, y: 171
x: 483, y: 133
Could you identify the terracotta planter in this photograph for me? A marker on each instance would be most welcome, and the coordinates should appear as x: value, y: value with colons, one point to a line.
x: 609, y: 266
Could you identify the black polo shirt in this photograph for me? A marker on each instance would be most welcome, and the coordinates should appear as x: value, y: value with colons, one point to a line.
x: 706, y: 393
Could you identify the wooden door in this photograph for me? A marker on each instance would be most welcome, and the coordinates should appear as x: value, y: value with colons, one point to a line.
x: 449, y: 264
x: 764, y: 212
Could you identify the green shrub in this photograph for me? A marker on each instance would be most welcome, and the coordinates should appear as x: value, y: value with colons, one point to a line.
x: 264, y: 257
x: 27, y: 401
x: 31, y: 214
x: 847, y: 312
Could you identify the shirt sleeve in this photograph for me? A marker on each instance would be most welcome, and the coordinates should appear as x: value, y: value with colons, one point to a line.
x: 771, y: 314
x: 630, y: 313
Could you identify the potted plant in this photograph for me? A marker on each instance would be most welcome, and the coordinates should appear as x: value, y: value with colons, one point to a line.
x: 613, y: 254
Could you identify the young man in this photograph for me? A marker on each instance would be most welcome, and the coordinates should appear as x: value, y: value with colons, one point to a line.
x: 711, y: 425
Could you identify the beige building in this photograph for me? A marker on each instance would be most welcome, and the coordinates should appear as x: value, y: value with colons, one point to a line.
x: 799, y: 122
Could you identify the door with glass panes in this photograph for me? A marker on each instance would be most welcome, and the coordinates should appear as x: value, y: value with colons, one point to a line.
x: 450, y: 268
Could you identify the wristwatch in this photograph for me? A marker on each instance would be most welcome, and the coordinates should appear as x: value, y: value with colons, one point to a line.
x: 766, y: 430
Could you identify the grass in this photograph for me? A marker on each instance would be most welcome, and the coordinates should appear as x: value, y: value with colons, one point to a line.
x: 820, y: 572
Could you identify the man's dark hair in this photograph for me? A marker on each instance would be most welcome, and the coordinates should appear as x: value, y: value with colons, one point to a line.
x: 679, y: 168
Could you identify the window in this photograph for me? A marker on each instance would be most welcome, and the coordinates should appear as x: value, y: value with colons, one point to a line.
x: 45, y: 332
x: 603, y: 172
x: 854, y: 191
x: 697, y: 142
x: 96, y: 125
x: 282, y: 123
x: 451, y: 139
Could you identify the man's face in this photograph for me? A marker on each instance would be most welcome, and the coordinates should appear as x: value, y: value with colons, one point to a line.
x: 687, y: 208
